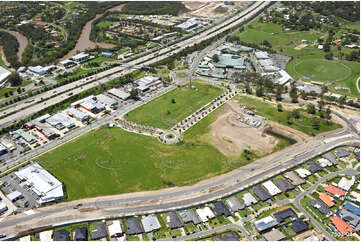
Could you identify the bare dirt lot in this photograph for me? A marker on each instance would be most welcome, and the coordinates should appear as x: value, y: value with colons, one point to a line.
x: 205, y: 10
x: 231, y: 136
x: 301, y: 46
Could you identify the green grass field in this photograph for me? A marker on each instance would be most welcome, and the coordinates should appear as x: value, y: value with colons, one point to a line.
x: 304, y: 124
x: 162, y: 113
x: 307, y: 61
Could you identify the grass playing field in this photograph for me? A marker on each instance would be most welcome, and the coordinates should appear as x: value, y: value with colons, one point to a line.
x: 306, y: 62
x: 163, y: 113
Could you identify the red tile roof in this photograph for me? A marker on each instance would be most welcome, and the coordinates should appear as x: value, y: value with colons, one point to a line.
x: 335, y: 190
x: 326, y: 199
x: 341, y: 225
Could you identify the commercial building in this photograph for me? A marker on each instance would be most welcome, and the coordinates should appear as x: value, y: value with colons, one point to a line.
x: 119, y: 94
x: 3, y: 207
x: 40, y: 70
x: 150, y: 223
x: 148, y: 82
x: 230, y: 61
x: 173, y: 220
x: 41, y: 182
x: 265, y: 224
x: 24, y: 135
x: 189, y: 216
x: 60, y: 121
x: 261, y: 55
x: 134, y: 226
x: 296, y: 180
x: 66, y: 63
x: 234, y: 204
x: 281, y: 78
x: 40, y: 125
x: 107, y: 54
x: 107, y: 101
x: 308, y: 87
x: 249, y: 199
x: 80, y: 57
x: 221, y: 209
x: 14, y: 196
x: 205, y: 214
x: 189, y: 24
x: 3, y: 150
x: 77, y: 114
x: 271, y: 188
x: 89, y: 104
x: 4, y: 75
x: 115, y: 229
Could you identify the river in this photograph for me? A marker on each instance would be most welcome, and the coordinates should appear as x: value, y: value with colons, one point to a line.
x: 84, y: 42
x: 22, y: 40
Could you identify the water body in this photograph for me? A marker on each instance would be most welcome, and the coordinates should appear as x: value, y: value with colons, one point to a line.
x: 22, y: 40
x: 84, y: 42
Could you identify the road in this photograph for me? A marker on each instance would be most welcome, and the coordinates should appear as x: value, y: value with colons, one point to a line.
x: 177, y: 197
x: 22, y: 110
x: 297, y: 201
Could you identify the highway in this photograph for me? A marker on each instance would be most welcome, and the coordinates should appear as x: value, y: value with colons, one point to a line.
x: 178, y: 197
x: 23, y: 110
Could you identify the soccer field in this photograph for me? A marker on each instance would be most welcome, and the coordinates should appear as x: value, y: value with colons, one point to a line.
x: 163, y: 113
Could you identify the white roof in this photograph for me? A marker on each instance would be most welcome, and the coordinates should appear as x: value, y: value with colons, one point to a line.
x: 119, y: 93
x: 248, y: 199
x: 3, y: 206
x: 320, y: 47
x: 42, y: 182
x: 115, y: 228
x: 266, y: 62
x: 284, y: 77
x: 205, y: 213
x: 46, y: 236
x: 80, y: 56
x: 261, y: 55
x: 77, y: 113
x: 106, y: 100
x: 2, y: 147
x: 64, y: 62
x: 150, y: 223
x: 346, y: 184
x: 4, y: 74
x: 271, y: 187
x: 25, y: 238
x: 356, y: 195
x: 14, y: 195
x: 324, y: 162
x: 302, y: 172
x: 60, y: 118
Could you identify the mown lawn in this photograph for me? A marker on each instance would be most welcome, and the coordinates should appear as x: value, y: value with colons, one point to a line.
x: 163, y: 113
x: 303, y: 124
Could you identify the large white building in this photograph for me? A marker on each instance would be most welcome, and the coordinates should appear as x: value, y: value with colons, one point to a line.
x: 145, y: 83
x: 41, y: 182
x: 4, y: 74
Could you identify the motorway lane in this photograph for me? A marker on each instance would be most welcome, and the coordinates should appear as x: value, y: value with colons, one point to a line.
x: 23, y: 110
x: 149, y: 202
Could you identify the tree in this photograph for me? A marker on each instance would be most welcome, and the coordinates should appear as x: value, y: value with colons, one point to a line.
x: 329, y: 56
x: 173, y: 100
x: 267, y: 43
x: 328, y: 114
x: 316, y: 123
x: 289, y: 118
x: 248, y: 88
x: 279, y: 107
x: 134, y: 94
x: 279, y: 94
x: 296, y: 114
x: 320, y: 103
x: 215, y: 58
x: 15, y: 80
x: 311, y: 109
x: 259, y: 92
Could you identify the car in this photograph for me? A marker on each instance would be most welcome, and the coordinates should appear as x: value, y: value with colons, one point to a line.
x: 2, y: 236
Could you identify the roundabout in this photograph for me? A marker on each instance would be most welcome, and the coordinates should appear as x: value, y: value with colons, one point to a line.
x: 170, y: 137
x: 322, y: 70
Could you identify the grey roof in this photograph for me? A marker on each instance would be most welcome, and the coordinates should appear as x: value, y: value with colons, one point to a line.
x: 320, y: 206
x: 150, y: 223
x: 350, y: 217
x: 134, y: 227
x: 341, y: 152
x: 234, y: 204
x: 284, y: 214
x: 295, y: 179
x: 61, y: 235
x: 100, y: 232
x: 329, y: 156
x: 81, y: 234
x: 249, y: 199
x: 189, y: 216
x: 299, y: 226
x: 221, y: 209
x: 283, y: 185
x: 174, y: 221
x: 313, y: 167
x: 261, y: 193
x: 230, y: 236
